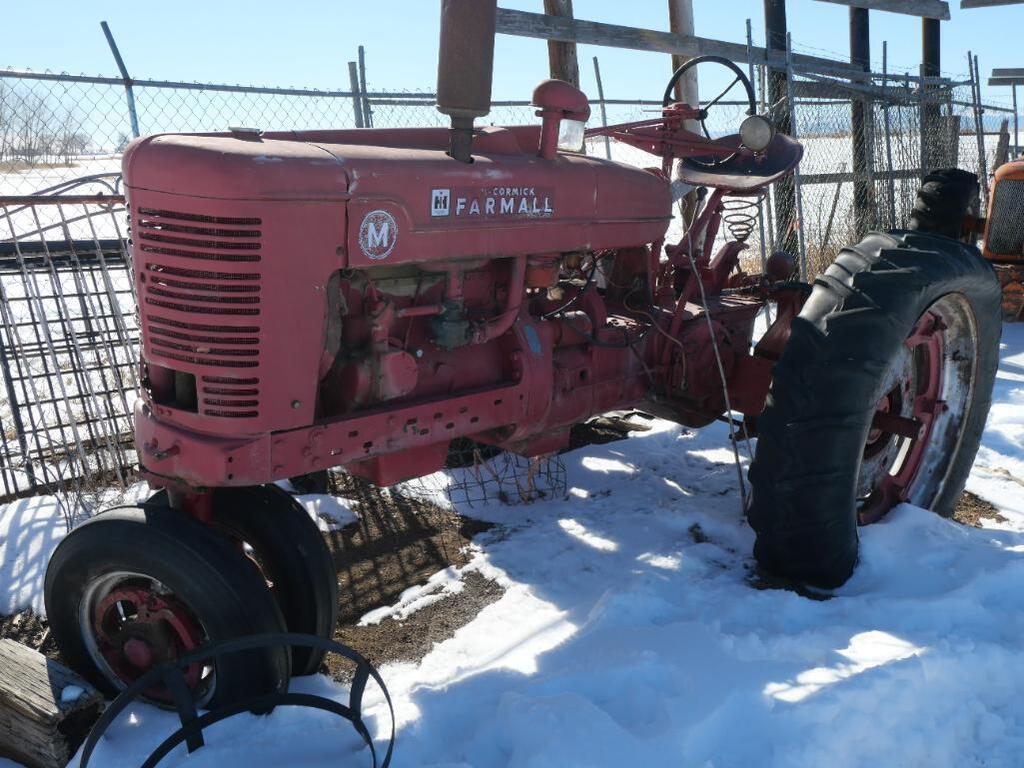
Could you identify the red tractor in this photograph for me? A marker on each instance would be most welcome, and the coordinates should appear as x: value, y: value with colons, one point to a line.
x: 361, y: 298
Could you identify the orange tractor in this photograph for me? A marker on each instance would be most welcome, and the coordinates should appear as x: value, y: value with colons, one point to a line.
x: 1004, y: 237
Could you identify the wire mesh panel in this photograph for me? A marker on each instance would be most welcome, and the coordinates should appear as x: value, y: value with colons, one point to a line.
x: 67, y: 346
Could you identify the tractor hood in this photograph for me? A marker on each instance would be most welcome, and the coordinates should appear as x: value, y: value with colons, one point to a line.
x: 407, y: 200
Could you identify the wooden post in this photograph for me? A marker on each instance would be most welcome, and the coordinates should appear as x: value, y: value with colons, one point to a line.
x: 775, y: 29
x: 562, y: 56
x: 863, y: 193
x: 1002, y: 155
x: 680, y: 22
x: 931, y: 53
x: 46, y: 711
x: 1016, y: 124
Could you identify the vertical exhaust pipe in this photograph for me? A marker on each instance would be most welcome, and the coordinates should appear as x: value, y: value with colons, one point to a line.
x: 464, y: 68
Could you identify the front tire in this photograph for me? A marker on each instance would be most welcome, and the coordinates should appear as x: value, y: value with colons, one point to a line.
x: 291, y: 554
x: 135, y: 587
x: 863, y: 359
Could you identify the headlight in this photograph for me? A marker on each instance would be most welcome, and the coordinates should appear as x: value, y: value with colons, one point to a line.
x: 756, y: 133
x: 570, y: 135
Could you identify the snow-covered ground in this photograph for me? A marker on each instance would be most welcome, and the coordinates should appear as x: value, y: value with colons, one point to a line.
x: 629, y: 632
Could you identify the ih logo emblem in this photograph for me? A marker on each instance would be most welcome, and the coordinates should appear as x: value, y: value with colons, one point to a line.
x: 440, y: 202
x: 378, y: 234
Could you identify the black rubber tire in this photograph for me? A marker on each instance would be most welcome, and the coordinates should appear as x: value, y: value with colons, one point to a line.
x: 825, y: 388
x: 292, y: 554
x: 944, y: 201
x: 202, y: 569
x: 312, y: 482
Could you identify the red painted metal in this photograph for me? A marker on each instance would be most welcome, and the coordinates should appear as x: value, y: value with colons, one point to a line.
x: 135, y: 628
x: 360, y: 298
x: 929, y: 339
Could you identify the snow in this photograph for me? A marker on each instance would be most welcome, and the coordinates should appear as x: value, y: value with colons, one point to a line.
x: 631, y: 631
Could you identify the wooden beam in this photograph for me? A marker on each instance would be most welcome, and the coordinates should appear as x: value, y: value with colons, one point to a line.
x: 988, y: 3
x: 929, y: 9
x: 1006, y: 81
x: 1008, y: 73
x: 46, y: 711
x: 542, y: 27
x: 562, y: 54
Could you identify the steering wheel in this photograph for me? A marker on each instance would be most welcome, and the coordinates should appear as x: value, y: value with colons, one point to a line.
x: 669, y: 98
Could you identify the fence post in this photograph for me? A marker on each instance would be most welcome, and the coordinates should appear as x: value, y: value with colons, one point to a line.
x: 979, y: 124
x: 931, y: 42
x: 1016, y: 124
x: 860, y: 56
x: 604, y: 112
x: 888, y: 133
x: 129, y: 94
x: 790, y: 91
x: 778, y: 76
x: 357, y: 102
x: 367, y: 111
x: 760, y: 200
x: 562, y: 56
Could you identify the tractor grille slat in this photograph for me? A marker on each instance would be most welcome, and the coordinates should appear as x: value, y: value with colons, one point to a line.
x: 178, y: 297
x: 1006, y: 231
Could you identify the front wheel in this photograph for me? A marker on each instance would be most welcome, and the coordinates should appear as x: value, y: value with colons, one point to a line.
x: 880, y: 397
x: 138, y: 587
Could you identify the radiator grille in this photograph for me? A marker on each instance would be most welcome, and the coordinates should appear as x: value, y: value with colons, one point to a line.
x: 1006, y: 231
x: 201, y: 313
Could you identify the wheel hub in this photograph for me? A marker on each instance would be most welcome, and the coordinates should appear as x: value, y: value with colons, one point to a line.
x: 136, y: 627
x: 917, y: 422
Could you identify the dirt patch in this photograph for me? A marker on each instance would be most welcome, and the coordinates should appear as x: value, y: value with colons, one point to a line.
x: 31, y: 630
x: 412, y: 637
x: 972, y: 509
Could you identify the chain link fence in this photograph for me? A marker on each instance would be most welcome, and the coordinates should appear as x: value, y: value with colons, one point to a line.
x: 68, y: 329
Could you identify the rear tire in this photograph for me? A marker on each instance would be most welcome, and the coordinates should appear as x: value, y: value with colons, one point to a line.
x: 182, y: 587
x: 944, y: 201
x: 816, y: 427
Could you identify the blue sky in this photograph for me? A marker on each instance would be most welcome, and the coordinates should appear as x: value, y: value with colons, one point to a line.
x: 308, y: 42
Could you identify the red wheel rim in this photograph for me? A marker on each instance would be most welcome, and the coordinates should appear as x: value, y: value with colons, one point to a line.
x: 131, y: 623
x: 916, y: 426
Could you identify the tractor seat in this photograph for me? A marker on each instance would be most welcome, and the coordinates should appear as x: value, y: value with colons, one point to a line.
x: 745, y: 174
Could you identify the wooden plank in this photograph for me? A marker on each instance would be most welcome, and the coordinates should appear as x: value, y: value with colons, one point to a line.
x: 46, y: 710
x: 543, y: 27
x: 1006, y: 81
x: 1008, y: 72
x: 929, y: 9
x: 987, y: 3
x: 1002, y: 155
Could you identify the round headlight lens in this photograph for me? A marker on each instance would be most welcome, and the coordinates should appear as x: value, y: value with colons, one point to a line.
x: 757, y: 132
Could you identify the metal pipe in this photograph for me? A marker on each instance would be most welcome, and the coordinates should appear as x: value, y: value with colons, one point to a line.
x: 760, y: 201
x: 367, y: 111
x: 604, y: 112
x: 888, y: 133
x: 801, y: 242
x: 494, y: 328
x: 357, y: 102
x: 129, y: 94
